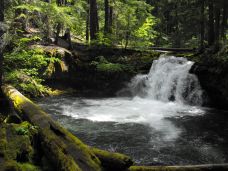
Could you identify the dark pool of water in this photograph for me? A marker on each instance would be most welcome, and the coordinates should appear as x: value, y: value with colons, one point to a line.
x: 197, y: 135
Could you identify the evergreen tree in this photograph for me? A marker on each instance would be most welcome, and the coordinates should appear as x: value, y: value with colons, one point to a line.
x: 1, y: 38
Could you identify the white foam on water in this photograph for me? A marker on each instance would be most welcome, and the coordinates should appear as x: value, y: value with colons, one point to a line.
x: 167, y: 91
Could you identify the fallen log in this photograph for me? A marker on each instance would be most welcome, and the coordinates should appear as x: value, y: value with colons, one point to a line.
x: 64, y: 150
x: 113, y: 161
x: 173, y: 49
x: 207, y: 167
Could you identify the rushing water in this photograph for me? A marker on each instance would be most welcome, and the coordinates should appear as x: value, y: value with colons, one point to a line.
x: 156, y: 119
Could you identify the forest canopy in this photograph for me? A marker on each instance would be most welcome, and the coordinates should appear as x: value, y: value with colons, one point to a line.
x: 125, y: 24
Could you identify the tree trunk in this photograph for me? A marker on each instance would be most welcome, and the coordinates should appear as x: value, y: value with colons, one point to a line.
x: 67, y: 37
x: 1, y: 39
x: 107, y: 9
x: 224, y: 20
x: 217, y: 26
x: 47, y: 30
x: 58, y: 30
x: 87, y: 22
x: 211, y: 38
x: 110, y: 18
x: 94, y: 26
x: 127, y: 36
x: 202, y: 25
x: 61, y: 2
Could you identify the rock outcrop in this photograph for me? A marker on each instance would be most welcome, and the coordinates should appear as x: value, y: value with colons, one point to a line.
x: 214, y: 80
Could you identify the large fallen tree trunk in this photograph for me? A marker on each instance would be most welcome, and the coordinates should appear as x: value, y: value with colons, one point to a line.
x: 207, y: 167
x: 65, y: 151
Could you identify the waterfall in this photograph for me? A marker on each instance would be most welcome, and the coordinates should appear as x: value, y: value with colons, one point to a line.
x: 168, y: 80
x: 167, y: 91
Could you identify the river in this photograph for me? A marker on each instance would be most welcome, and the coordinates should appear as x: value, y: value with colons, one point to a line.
x: 157, y: 119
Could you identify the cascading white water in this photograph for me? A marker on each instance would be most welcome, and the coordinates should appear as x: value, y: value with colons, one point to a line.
x: 168, y: 80
x: 164, y: 93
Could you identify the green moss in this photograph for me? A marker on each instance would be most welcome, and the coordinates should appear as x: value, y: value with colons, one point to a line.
x: 3, y: 141
x: 110, y: 67
x: 28, y: 167
x: 15, y: 166
x: 114, y: 156
x: 112, y: 161
x: 25, y: 128
x: 11, y: 165
x: 59, y: 145
x: 18, y: 146
x: 102, y: 65
x: 73, y: 142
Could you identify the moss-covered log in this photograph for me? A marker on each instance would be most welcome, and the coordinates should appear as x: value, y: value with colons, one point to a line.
x: 2, y: 145
x: 220, y: 167
x: 65, y: 151
x: 113, y: 161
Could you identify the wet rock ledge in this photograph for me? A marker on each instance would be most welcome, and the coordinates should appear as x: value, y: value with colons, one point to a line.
x: 39, y: 143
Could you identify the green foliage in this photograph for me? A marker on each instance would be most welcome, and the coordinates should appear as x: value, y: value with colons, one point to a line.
x: 102, y: 65
x: 67, y: 16
x: 25, y: 128
x: 24, y: 68
x: 134, y: 24
x: 29, y: 85
x: 146, y: 34
x: 22, y: 42
x: 28, y: 167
